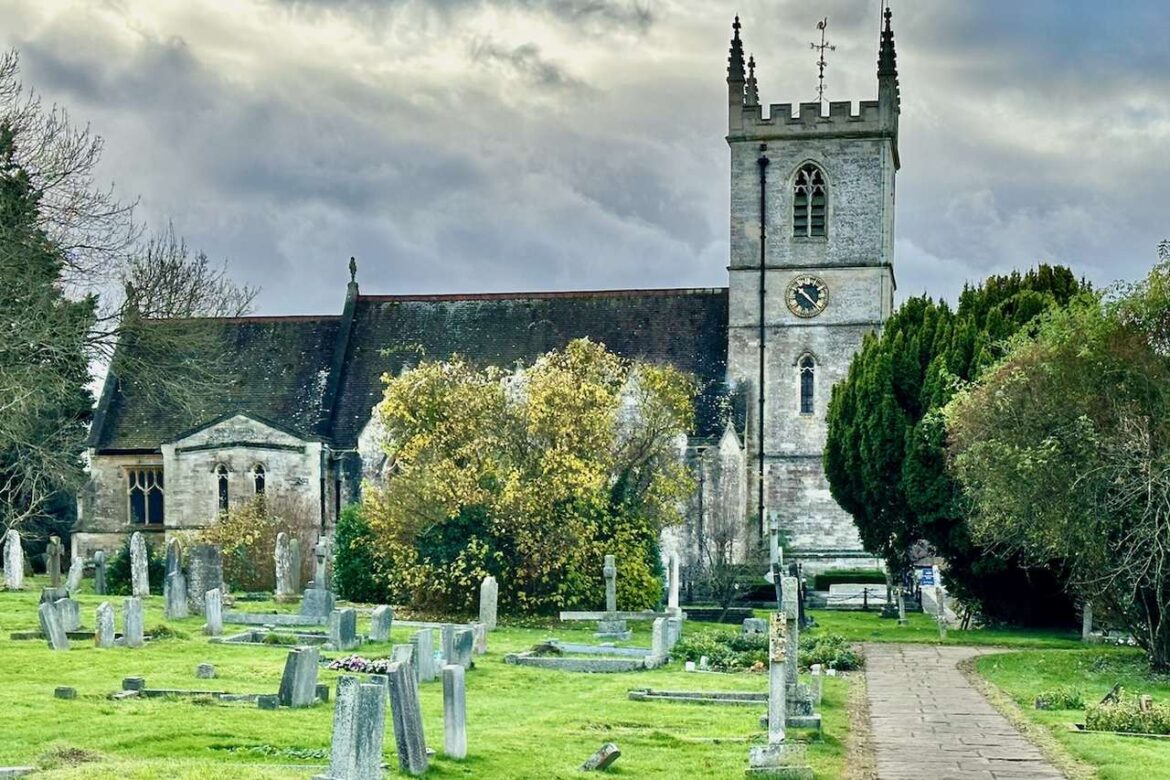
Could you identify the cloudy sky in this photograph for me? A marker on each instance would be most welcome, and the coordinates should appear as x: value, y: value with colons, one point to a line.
x: 479, y: 145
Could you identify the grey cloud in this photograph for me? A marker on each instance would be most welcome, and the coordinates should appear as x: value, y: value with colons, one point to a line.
x: 526, y: 61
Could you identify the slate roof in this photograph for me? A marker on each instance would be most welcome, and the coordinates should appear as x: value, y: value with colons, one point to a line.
x: 322, y: 375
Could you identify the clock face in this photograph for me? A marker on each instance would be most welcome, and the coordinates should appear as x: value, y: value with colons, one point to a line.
x: 807, y: 296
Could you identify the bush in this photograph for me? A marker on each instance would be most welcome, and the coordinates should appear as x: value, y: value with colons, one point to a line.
x: 118, y: 580
x: 354, y: 562
x: 823, y: 580
x: 1127, y: 715
x: 1063, y: 698
x: 831, y: 651
x: 247, y: 537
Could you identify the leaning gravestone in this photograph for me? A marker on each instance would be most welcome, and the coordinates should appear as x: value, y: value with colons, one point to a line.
x: 489, y: 593
x: 298, y: 685
x: 343, y: 629
x: 213, y: 610
x: 76, y: 571
x: 99, y: 572
x: 139, y: 571
x: 381, y: 620
x: 454, y: 712
x: 284, y: 575
x: 51, y: 627
x: 407, y: 715
x: 132, y: 622
x: 424, y: 655
x: 53, y: 552
x: 176, y: 596
x: 13, y: 561
x: 359, y: 725
x: 69, y: 613
x: 103, y: 633
x: 601, y: 760
x: 204, y: 574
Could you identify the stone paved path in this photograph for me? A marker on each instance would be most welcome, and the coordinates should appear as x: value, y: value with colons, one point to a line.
x: 928, y: 722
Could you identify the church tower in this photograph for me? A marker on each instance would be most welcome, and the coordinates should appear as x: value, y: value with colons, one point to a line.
x: 811, y: 273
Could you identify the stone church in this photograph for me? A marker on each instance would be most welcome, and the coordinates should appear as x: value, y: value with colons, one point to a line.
x: 810, y: 274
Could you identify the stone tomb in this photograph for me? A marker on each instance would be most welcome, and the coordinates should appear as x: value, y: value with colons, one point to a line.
x: 569, y: 657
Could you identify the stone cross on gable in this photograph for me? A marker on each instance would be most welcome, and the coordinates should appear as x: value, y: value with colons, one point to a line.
x: 610, y: 572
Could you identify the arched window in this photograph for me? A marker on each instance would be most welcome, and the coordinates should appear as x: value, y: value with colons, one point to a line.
x: 221, y: 478
x: 809, y: 202
x: 258, y: 478
x: 144, y: 489
x: 807, y: 370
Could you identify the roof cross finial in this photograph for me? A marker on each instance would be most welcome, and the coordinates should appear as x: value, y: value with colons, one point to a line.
x: 735, y: 60
x: 736, y: 26
x: 752, y: 91
x: 821, y: 48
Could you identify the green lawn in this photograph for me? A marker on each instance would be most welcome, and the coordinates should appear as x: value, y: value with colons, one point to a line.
x: 522, y: 722
x: 1093, y: 671
x: 869, y: 627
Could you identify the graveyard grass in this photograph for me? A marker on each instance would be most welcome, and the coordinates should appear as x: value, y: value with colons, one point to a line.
x: 859, y: 626
x: 1093, y: 672
x: 522, y: 722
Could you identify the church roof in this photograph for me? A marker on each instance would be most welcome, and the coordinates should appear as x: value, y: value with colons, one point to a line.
x: 320, y: 376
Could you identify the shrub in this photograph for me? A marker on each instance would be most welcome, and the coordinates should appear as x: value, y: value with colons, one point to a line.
x: 1063, y: 698
x: 726, y: 651
x: 118, y: 580
x: 354, y: 561
x: 831, y: 651
x: 247, y: 537
x: 1127, y: 715
x: 823, y: 580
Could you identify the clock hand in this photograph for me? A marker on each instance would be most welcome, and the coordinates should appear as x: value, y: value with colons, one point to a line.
x: 806, y: 296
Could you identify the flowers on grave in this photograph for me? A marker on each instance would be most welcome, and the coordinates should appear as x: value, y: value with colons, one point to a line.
x: 355, y: 663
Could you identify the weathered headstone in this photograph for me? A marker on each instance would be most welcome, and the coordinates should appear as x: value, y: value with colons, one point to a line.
x: 343, y: 629
x: 284, y: 574
x: 1086, y: 621
x: 778, y: 758
x: 359, y: 726
x: 408, y: 728
x: 204, y: 574
x: 611, y: 627
x: 53, y: 595
x: 103, y: 633
x: 672, y: 595
x: 132, y: 622
x: 658, y: 639
x: 53, y: 552
x: 175, y: 596
x: 381, y: 621
x: 99, y: 572
x: 76, y: 572
x: 294, y: 565
x: 268, y: 701
x: 480, y: 638
x: 174, y: 558
x: 69, y: 613
x: 213, y: 611
x: 790, y: 606
x: 139, y: 571
x: 205, y: 671
x: 673, y: 632
x: 51, y: 627
x: 319, y: 553
x: 298, y: 685
x: 818, y: 683
x: 447, y: 641
x: 63, y: 692
x: 424, y: 655
x: 403, y: 654
x: 489, y: 594
x: 13, y: 561
x: 319, y: 601
x: 454, y: 712
x: 609, y: 571
x: 603, y: 758
x: 462, y: 647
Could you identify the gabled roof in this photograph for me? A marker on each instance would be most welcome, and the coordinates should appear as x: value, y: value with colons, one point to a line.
x: 319, y: 377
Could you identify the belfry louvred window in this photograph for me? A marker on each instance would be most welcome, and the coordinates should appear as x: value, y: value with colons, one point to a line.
x: 809, y: 202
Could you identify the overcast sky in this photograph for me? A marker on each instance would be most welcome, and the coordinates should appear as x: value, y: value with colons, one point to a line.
x: 485, y: 145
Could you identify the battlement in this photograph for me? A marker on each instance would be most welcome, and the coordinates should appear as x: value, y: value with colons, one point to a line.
x: 844, y: 116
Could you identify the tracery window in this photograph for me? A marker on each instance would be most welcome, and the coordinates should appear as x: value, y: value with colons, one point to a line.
x: 807, y: 370
x: 221, y: 478
x: 144, y: 495
x: 809, y: 202
x: 258, y: 476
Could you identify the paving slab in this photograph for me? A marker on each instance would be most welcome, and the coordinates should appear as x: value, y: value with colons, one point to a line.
x: 928, y: 721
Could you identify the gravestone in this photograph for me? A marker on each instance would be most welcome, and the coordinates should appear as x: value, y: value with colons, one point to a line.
x: 818, y: 683
x: 407, y: 716
x: 51, y: 627
x: 294, y: 565
x: 175, y: 596
x: 359, y: 725
x: 76, y: 572
x: 69, y: 613
x: 658, y: 639
x: 53, y: 595
x: 132, y: 622
x: 318, y: 601
x: 204, y: 574
x: 603, y: 758
x: 53, y: 552
x: 403, y: 654
x: 174, y: 558
x: 298, y: 685
x: 778, y: 758
x: 1086, y: 621
x: 447, y: 642
x: 139, y: 571
x: 343, y: 629
x: 423, y: 643
x: 205, y: 671
x: 489, y: 593
x: 213, y: 611
x: 611, y: 627
x: 800, y: 702
x: 381, y: 621
x: 480, y: 638
x: 673, y: 632
x: 672, y: 607
x: 284, y: 574
x: 13, y: 561
x: 454, y: 712
x: 462, y: 647
x: 103, y: 633
x: 99, y: 572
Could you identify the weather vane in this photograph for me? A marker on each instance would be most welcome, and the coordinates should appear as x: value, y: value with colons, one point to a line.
x: 821, y: 48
